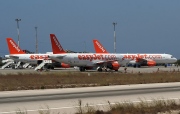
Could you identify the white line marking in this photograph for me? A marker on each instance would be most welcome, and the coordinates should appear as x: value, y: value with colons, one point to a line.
x: 36, y: 110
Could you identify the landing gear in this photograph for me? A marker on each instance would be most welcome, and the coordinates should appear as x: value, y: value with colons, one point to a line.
x: 136, y: 65
x: 82, y: 69
x: 105, y: 69
x: 99, y: 69
x: 165, y: 65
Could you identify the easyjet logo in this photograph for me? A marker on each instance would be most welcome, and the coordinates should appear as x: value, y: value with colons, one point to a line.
x: 14, y: 45
x: 41, y: 57
x: 96, y: 57
x: 99, y: 45
x: 57, y: 43
x: 142, y: 56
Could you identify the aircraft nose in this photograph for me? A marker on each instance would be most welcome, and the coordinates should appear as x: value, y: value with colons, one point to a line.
x: 175, y: 59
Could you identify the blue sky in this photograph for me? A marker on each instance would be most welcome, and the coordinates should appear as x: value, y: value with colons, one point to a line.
x: 143, y: 26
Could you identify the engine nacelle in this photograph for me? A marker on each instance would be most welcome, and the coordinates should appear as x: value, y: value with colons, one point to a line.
x: 113, y: 65
x: 143, y: 63
x: 151, y: 63
x: 63, y: 65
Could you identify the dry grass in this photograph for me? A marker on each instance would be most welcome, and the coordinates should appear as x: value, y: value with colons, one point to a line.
x: 144, y: 107
x: 48, y: 80
x: 126, y: 107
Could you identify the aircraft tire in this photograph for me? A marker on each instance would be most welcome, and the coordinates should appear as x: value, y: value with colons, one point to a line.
x: 138, y: 66
x: 100, y: 69
x: 82, y: 69
x: 52, y: 67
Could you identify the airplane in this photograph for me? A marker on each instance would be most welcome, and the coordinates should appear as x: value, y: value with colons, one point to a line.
x: 18, y: 54
x: 85, y: 61
x: 138, y: 60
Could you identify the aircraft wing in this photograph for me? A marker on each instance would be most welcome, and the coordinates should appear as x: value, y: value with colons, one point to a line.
x: 101, y: 62
x: 98, y: 63
x: 14, y: 57
x: 57, y: 56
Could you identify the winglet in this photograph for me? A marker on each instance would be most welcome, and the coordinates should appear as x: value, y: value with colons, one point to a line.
x: 99, y: 47
x: 56, y: 46
x: 13, y: 47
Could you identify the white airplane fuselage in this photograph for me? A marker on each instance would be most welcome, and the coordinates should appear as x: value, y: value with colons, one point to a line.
x: 86, y: 59
x: 138, y: 59
x: 158, y: 58
x: 28, y: 58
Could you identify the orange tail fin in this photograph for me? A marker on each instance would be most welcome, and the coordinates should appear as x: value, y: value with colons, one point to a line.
x: 13, y: 47
x: 99, y: 47
x: 56, y: 46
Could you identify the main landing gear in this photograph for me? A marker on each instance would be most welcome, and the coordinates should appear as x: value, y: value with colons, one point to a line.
x: 136, y: 65
x: 99, y: 69
x: 82, y: 69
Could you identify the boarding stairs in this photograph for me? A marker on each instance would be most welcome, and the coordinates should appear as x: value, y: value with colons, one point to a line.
x: 8, y: 63
x: 17, y: 65
x: 26, y: 65
x: 44, y: 62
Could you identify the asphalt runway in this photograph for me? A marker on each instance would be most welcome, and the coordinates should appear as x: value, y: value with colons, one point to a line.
x: 121, y: 70
x: 151, y: 69
x: 66, y: 100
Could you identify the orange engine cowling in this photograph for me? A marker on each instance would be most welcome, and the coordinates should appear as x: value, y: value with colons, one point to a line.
x: 151, y: 63
x: 63, y: 65
x: 113, y: 65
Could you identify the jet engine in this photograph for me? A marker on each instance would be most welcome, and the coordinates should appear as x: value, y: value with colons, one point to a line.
x: 113, y: 65
x: 63, y: 65
x: 57, y: 65
x: 143, y: 63
x: 151, y: 63
x: 148, y: 63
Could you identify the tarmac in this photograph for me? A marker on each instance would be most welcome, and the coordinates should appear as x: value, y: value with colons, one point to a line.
x: 121, y: 70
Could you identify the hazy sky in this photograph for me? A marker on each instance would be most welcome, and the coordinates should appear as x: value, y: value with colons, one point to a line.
x: 143, y: 26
